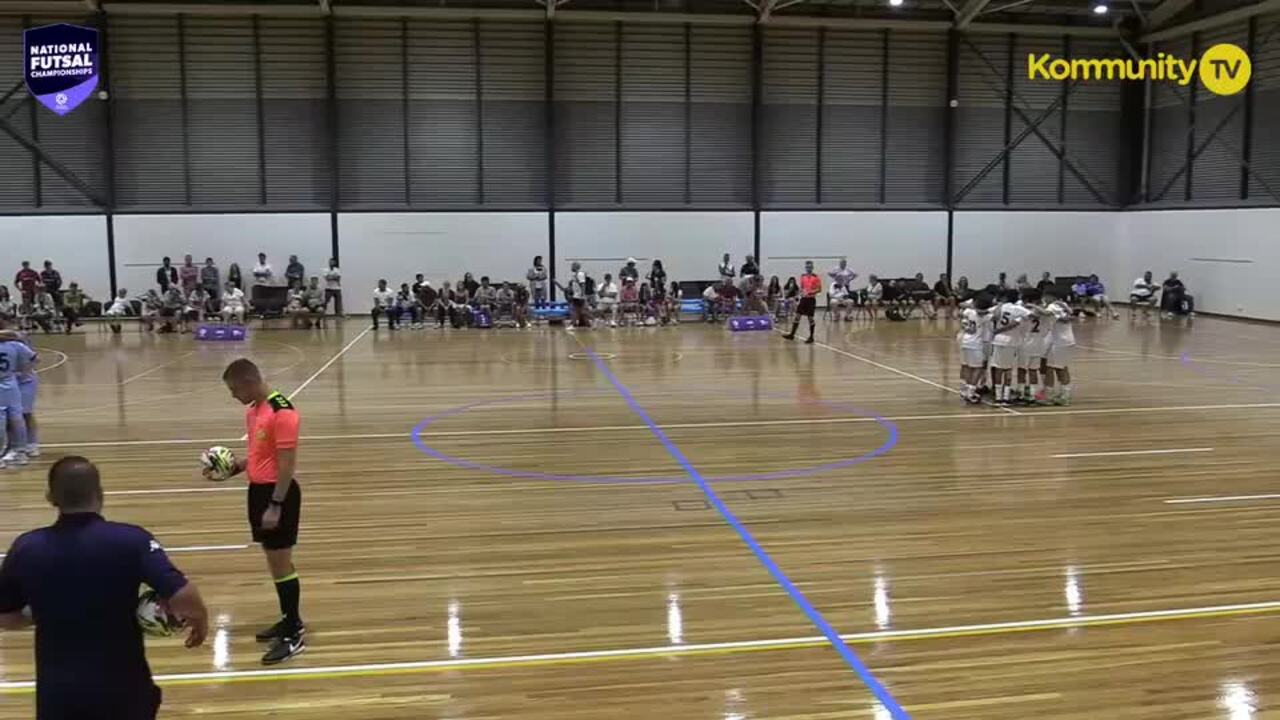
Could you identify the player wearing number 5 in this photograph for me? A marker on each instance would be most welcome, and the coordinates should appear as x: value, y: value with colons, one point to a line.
x: 275, y: 501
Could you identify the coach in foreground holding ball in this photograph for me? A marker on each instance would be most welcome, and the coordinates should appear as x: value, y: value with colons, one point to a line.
x: 78, y: 581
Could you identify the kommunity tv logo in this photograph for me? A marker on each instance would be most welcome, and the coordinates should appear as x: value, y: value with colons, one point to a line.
x: 1223, y: 69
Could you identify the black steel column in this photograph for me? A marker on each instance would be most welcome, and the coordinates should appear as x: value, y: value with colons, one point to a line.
x: 884, y: 113
x: 757, y: 131
x: 1247, y: 125
x: 688, y: 114
x: 617, y: 112
x: 949, y: 129
x: 1008, y: 118
x: 331, y: 110
x: 1191, y: 123
x: 185, y: 110
x: 1062, y: 127
x: 38, y: 196
x: 549, y: 143
x: 478, y: 59
x: 822, y: 81
x: 108, y: 140
x: 404, y: 109
x: 262, y: 129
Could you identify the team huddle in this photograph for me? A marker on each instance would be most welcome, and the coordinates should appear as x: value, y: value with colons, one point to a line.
x: 1029, y: 331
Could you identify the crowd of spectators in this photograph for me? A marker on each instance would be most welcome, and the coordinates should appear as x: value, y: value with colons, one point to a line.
x: 188, y: 294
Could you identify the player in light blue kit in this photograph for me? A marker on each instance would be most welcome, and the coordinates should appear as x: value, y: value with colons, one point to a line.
x: 28, y: 388
x: 15, y: 358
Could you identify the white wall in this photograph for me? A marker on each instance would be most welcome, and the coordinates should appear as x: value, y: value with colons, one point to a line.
x: 442, y: 246
x: 689, y: 244
x: 142, y: 240
x: 888, y: 244
x: 1063, y: 243
x: 1227, y: 258
x: 77, y: 245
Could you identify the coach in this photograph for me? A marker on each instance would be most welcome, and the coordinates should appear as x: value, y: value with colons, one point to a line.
x: 78, y: 581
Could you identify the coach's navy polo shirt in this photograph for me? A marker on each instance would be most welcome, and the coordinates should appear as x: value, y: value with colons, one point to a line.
x: 81, y: 577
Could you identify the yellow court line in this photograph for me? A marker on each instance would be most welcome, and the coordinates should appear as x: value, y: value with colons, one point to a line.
x: 671, y: 651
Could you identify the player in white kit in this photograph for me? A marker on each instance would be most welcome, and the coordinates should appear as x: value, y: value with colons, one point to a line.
x: 1035, y: 344
x: 1062, y: 340
x: 974, y: 324
x: 1006, y: 339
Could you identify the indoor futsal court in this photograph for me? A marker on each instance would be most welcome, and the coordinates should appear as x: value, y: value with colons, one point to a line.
x: 494, y: 529
x: 639, y: 359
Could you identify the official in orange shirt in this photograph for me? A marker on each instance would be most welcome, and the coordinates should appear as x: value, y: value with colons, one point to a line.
x: 810, y: 286
x: 275, y: 501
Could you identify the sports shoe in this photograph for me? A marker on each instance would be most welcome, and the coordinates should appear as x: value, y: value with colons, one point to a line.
x: 279, y: 630
x: 32, y: 450
x: 284, y: 648
x: 809, y: 341
x: 789, y: 336
x: 14, y: 457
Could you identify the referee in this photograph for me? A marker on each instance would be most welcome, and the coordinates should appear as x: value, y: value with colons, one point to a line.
x: 275, y: 501
x: 810, y: 286
x: 78, y: 581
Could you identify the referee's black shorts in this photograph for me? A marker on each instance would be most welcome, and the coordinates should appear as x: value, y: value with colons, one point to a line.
x: 284, y: 535
x: 807, y: 306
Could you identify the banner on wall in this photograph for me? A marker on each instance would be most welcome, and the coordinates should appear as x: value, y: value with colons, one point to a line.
x: 60, y: 65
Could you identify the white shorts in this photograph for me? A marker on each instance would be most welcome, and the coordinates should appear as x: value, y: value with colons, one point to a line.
x: 1029, y: 356
x: 1059, y: 356
x: 1004, y: 357
x: 973, y: 357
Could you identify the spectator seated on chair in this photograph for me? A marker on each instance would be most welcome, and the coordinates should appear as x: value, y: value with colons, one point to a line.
x: 920, y: 295
x: 647, y: 305
x: 1143, y: 295
x: 505, y: 305
x: 1174, y: 298
x: 787, y: 302
x: 172, y: 303
x: 406, y: 305
x: 485, y: 297
x: 520, y: 304
x: 1093, y: 293
x: 193, y: 311
x: 727, y: 299
x: 710, y: 302
x: 629, y: 301
x: 674, y: 299
x: 234, y: 305
x: 607, y: 302
x: 839, y: 303
x: 44, y: 312
x: 74, y: 301
x: 944, y: 296
x: 384, y: 305
x: 120, y: 308
x: 875, y: 297
x: 314, y: 299
x: 8, y: 309
x: 151, y: 304
x: 296, y: 306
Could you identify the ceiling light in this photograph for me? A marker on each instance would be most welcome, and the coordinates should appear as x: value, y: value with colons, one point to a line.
x: 1100, y: 9
x: 895, y: 3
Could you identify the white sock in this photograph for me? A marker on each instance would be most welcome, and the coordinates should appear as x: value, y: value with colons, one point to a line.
x: 1066, y: 391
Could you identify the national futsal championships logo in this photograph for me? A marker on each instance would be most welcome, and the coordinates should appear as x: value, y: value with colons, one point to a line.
x: 60, y: 65
x: 1224, y: 69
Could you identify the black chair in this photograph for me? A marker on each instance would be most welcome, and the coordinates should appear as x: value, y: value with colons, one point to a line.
x: 269, y: 301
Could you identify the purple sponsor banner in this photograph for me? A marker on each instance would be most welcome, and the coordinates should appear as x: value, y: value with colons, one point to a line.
x: 60, y: 65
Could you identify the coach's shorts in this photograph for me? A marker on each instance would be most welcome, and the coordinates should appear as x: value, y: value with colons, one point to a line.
x: 1059, y: 356
x: 973, y: 357
x: 807, y: 306
x: 1004, y: 357
x: 284, y: 535
x: 28, y: 392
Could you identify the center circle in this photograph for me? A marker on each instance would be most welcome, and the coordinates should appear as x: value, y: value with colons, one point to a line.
x: 891, y: 440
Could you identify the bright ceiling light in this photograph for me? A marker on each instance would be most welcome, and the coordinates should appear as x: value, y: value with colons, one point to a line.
x: 896, y: 3
x: 1100, y: 9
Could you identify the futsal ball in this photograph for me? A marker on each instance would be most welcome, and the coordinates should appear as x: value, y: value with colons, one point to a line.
x: 154, y: 617
x: 219, y: 461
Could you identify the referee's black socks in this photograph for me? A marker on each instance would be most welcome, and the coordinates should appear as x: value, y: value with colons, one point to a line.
x: 289, y: 590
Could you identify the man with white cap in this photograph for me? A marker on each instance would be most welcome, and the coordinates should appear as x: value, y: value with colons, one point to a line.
x: 629, y: 271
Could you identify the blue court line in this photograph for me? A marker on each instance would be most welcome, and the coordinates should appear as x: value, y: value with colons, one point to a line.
x: 833, y: 636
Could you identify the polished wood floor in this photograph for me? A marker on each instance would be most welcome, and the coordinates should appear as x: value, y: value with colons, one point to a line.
x: 544, y: 555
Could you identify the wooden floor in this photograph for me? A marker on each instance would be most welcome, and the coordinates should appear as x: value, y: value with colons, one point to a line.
x: 540, y: 552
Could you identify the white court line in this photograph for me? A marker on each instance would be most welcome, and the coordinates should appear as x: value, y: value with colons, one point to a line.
x: 177, y: 491
x: 1212, y: 361
x: 58, y: 364
x: 903, y: 373
x: 1221, y: 498
x: 198, y: 548
x: 323, y: 367
x: 1115, y: 453
x: 161, y: 366
x: 678, y: 426
x: 689, y: 649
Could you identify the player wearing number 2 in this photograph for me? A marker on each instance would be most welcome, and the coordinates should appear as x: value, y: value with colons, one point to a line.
x: 1035, y: 343
x: 275, y: 501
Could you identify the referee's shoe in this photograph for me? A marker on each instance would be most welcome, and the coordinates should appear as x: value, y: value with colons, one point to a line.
x: 286, y: 642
